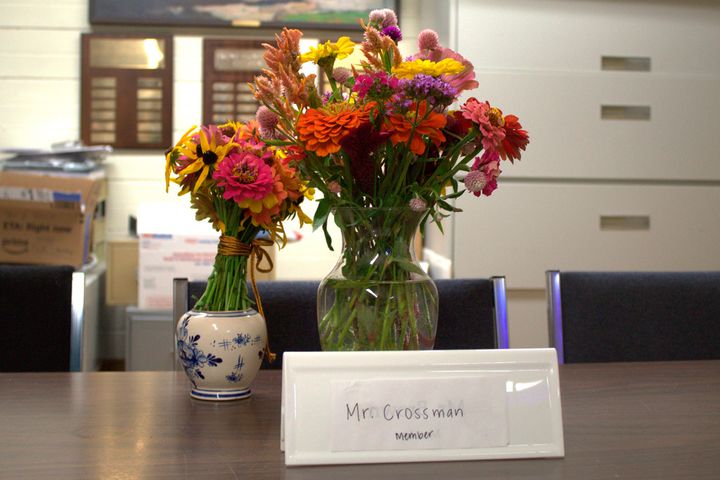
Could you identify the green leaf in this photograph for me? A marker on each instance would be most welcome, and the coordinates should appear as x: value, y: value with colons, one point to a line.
x: 321, y: 214
x: 446, y: 206
x: 328, y: 239
x: 409, y: 266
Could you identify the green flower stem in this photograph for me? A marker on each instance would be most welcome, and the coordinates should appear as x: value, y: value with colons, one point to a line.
x: 227, y: 288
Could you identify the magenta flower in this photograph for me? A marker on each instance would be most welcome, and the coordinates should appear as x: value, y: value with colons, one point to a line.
x: 393, y: 32
x: 243, y: 175
x: 376, y: 85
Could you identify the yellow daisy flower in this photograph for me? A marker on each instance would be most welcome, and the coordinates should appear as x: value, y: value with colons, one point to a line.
x: 340, y: 49
x: 428, y: 67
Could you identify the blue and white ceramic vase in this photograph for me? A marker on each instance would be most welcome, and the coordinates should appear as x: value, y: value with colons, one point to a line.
x: 221, y: 352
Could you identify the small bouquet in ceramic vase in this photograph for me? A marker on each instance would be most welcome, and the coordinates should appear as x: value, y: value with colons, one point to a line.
x: 386, y: 147
x: 246, y: 189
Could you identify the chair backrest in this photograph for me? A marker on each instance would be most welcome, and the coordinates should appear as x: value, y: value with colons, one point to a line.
x: 472, y: 313
x: 41, y: 319
x: 634, y: 316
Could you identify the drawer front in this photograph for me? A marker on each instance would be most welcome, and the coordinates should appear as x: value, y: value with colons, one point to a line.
x: 612, y: 126
x: 574, y: 36
x: 527, y: 228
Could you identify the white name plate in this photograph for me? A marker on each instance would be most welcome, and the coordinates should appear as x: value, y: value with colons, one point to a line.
x: 375, y: 407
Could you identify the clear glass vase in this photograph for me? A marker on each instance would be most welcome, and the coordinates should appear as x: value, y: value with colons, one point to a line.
x: 377, y: 297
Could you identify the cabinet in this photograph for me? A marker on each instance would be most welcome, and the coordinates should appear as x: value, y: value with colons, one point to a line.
x: 621, y: 101
x: 150, y: 340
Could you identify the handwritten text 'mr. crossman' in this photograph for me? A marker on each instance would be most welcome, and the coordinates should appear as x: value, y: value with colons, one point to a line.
x: 391, y: 413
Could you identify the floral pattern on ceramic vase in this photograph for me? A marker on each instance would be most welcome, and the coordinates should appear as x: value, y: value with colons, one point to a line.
x: 220, y: 362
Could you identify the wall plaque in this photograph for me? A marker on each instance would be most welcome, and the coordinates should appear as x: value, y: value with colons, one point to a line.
x: 228, y: 66
x: 126, y: 94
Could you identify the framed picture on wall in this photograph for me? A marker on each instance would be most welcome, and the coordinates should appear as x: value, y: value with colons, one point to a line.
x: 321, y: 14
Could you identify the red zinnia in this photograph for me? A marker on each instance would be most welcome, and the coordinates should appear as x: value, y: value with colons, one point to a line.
x: 516, y: 139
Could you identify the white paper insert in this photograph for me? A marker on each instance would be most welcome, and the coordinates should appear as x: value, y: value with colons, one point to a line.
x: 419, y: 413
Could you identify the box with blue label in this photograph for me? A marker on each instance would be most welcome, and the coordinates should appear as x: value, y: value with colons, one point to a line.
x: 48, y: 218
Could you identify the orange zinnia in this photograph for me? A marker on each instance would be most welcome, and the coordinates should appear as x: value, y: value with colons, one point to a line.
x: 322, y: 130
x: 403, y: 129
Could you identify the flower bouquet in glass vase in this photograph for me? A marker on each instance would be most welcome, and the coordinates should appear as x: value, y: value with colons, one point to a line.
x: 245, y: 188
x: 389, y: 152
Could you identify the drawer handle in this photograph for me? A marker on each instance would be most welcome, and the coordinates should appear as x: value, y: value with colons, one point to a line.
x: 624, y: 112
x: 624, y: 222
x: 625, y: 64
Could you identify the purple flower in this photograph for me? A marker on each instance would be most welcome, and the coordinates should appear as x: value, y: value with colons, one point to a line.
x: 393, y: 32
x: 426, y: 87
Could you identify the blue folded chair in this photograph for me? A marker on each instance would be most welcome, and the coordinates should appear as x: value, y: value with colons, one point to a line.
x: 634, y: 316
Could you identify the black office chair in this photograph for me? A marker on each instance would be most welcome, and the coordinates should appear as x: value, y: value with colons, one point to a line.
x: 472, y: 313
x: 41, y: 318
x: 634, y: 316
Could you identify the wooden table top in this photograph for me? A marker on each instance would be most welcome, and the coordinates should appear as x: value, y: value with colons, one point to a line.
x: 631, y: 420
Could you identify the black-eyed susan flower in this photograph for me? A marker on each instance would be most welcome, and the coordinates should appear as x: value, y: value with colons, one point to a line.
x: 198, y: 156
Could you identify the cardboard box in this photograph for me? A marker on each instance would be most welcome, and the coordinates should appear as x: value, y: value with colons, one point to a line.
x: 171, y: 244
x: 164, y: 257
x: 47, y: 218
x: 121, y: 287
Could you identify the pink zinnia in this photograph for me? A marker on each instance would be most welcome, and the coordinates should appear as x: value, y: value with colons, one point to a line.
x: 488, y: 119
x: 244, y: 175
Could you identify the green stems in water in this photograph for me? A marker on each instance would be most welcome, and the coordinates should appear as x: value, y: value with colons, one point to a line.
x: 377, y: 297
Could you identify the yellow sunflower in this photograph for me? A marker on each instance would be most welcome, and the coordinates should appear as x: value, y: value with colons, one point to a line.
x: 340, y: 49
x: 428, y: 67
